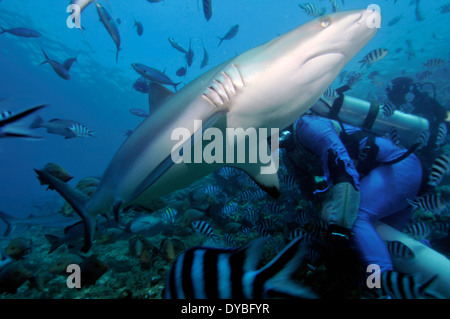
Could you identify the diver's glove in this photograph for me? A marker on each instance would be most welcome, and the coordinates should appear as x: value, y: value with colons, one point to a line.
x: 341, y: 205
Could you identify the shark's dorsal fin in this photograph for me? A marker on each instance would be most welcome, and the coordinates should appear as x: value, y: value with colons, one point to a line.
x: 156, y: 95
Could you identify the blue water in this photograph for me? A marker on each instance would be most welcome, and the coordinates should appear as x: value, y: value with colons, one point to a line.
x: 99, y: 94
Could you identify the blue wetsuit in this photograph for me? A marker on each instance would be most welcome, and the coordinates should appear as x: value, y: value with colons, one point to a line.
x: 383, y: 190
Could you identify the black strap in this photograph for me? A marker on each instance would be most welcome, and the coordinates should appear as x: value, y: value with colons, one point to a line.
x: 371, y: 116
x: 337, y: 104
x: 411, y: 150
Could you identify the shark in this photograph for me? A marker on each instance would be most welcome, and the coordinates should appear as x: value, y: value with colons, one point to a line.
x: 49, y: 220
x: 267, y: 87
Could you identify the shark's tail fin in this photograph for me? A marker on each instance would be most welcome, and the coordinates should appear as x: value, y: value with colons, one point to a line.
x: 9, y: 225
x: 2, y: 30
x: 16, y: 131
x: 221, y: 40
x: 76, y: 198
x: 273, y: 280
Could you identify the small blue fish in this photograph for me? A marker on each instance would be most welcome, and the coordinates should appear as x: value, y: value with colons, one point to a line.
x: 139, y: 112
x: 21, y: 32
x: 230, y: 34
x: 139, y: 27
x: 153, y: 75
x: 189, y: 54
x: 205, y: 57
x: 110, y: 26
x: 181, y: 71
x: 57, y: 67
x: 203, y: 228
x: 207, y: 9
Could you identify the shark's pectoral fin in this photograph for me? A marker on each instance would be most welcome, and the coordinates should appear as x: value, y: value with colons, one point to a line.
x: 171, y: 158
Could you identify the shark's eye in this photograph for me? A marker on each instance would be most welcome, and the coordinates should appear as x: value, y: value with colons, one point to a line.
x: 325, y: 22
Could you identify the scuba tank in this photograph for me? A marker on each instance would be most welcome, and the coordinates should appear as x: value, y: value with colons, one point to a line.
x: 367, y: 116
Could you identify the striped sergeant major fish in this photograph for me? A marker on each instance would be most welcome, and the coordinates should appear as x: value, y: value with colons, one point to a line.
x: 262, y: 232
x: 441, y: 138
x: 227, y: 172
x: 374, y: 56
x: 215, y: 273
x: 289, y: 180
x: 422, y: 140
x: 80, y: 130
x: 439, y: 169
x: 399, y: 250
x: 419, y: 230
x: 246, y: 195
x: 388, y: 109
x: 392, y: 134
x: 229, y: 209
x: 212, y: 190
x: 312, y: 9
x: 229, y: 240
x: 445, y: 8
x: 169, y: 215
x: 354, y: 78
x: 402, y: 286
x: 434, y: 63
x: 330, y: 94
x: 302, y: 217
x: 251, y: 215
x: 272, y: 208
x: 429, y: 203
x: 205, y: 229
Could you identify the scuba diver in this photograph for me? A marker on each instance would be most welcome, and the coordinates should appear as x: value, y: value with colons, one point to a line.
x: 403, y: 91
x: 369, y: 178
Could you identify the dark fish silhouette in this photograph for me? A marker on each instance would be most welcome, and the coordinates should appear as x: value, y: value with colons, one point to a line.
x: 230, y: 34
x: 110, y: 26
x: 21, y: 32
x: 57, y: 67
x: 207, y: 9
